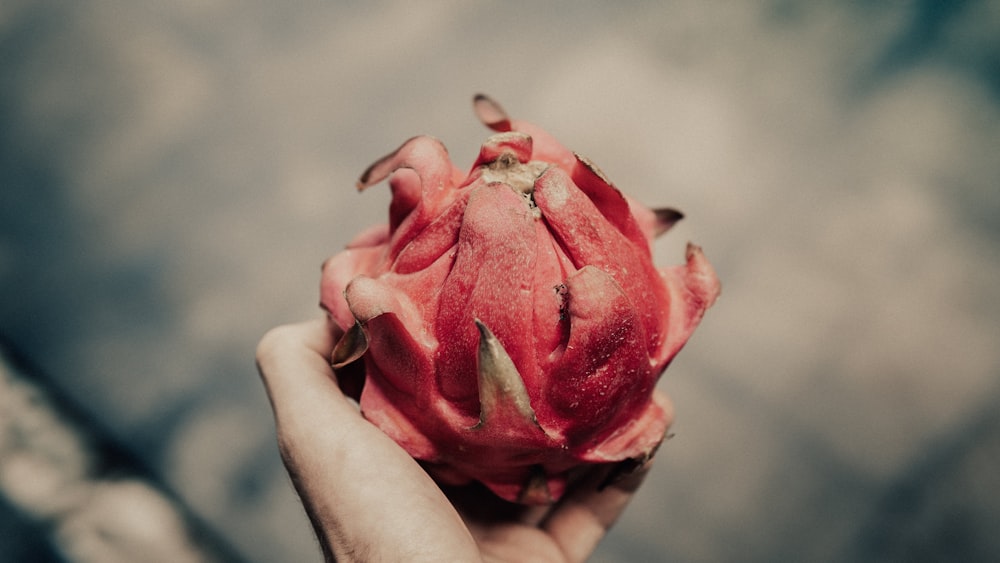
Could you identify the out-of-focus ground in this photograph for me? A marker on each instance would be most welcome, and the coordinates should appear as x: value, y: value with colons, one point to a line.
x: 172, y: 175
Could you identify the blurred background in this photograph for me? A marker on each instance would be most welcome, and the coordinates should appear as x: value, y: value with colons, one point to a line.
x: 172, y: 175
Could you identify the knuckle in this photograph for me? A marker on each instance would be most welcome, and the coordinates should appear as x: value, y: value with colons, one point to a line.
x: 274, y: 341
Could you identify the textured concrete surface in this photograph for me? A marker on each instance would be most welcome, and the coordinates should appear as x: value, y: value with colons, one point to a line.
x: 172, y: 175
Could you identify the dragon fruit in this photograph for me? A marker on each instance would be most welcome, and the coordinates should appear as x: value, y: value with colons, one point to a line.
x: 508, y: 325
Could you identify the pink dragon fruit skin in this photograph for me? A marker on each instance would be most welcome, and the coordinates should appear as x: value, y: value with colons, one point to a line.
x: 508, y: 325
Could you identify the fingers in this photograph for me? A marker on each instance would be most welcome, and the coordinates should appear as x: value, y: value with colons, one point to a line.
x: 365, y: 495
x: 292, y: 361
x: 584, y: 516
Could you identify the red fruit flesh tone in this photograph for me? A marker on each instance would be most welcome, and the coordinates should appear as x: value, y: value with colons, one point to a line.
x: 508, y: 325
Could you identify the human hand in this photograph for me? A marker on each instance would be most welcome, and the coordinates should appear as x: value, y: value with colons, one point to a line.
x: 369, y: 500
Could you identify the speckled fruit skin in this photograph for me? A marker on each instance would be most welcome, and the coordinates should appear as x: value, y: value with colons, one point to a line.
x: 508, y: 325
